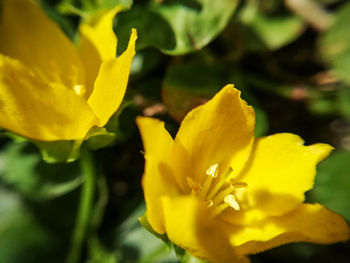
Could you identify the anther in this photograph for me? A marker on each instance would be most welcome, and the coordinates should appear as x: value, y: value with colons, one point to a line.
x: 232, y: 201
x: 219, y: 198
x: 79, y: 89
x: 212, y: 173
x: 220, y: 183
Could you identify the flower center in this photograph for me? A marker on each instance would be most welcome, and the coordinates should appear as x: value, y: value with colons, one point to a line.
x: 218, y: 192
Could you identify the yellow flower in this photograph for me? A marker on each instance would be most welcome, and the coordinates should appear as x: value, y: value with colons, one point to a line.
x: 49, y: 89
x: 222, y: 194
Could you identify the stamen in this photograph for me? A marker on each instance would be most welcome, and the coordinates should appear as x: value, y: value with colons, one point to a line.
x: 219, y: 198
x: 220, y: 183
x: 196, y: 187
x: 229, y: 200
x: 212, y: 173
x: 238, y: 184
x: 232, y: 201
x: 213, y: 170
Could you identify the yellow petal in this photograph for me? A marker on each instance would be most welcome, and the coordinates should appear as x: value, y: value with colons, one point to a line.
x: 220, y: 131
x: 111, y: 83
x: 189, y: 226
x: 30, y: 36
x: 281, y: 169
x: 38, y: 110
x: 158, y: 179
x: 98, y: 43
x: 307, y: 223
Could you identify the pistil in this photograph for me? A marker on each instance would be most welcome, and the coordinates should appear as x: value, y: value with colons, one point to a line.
x: 217, y: 192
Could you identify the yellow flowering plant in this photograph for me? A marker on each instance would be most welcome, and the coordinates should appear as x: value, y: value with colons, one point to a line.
x: 51, y: 90
x: 221, y: 194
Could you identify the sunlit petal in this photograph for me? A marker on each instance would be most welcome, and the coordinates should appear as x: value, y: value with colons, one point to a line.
x: 30, y: 36
x: 111, y: 82
x: 38, y: 110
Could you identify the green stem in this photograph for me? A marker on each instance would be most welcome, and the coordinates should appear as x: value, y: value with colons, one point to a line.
x: 85, y: 205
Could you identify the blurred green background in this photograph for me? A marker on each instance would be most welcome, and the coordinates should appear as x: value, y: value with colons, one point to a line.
x: 290, y: 59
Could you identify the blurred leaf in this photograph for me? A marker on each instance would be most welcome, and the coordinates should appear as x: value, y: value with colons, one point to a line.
x: 146, y: 60
x: 24, y: 170
x: 333, y: 183
x: 59, y: 151
x: 134, y: 244
x: 152, y: 29
x: 274, y: 31
x: 144, y: 222
x: 329, y: 1
x: 261, y: 122
x: 99, y: 254
x: 333, y: 101
x: 175, y: 26
x: 323, y: 103
x: 88, y: 8
x: 189, y: 85
x: 23, y: 239
x: 99, y: 138
x: 344, y: 101
x: 69, y: 151
x: 277, y: 32
x: 126, y: 4
x: 186, y: 86
x: 335, y: 44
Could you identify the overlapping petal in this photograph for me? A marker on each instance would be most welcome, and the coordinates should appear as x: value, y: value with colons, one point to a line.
x: 31, y: 37
x: 306, y: 223
x: 39, y: 110
x: 98, y: 43
x: 111, y: 82
x: 221, y: 131
x: 158, y: 179
x: 279, y: 172
x: 190, y: 226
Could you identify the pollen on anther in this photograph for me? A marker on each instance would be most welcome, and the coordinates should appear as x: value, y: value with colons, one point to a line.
x: 79, y: 89
x: 213, y: 170
x: 231, y: 201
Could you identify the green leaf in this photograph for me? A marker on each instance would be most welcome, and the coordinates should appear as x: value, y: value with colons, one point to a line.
x: 99, y: 138
x: 59, y: 151
x: 335, y: 44
x: 69, y: 151
x: 136, y: 244
x: 100, y: 254
x: 344, y: 101
x: 278, y: 32
x: 24, y: 170
x: 144, y: 222
x: 87, y: 8
x: 274, y: 31
x: 333, y: 183
x: 175, y: 26
x: 23, y: 239
x: 261, y: 122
